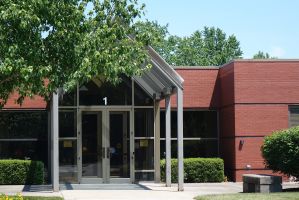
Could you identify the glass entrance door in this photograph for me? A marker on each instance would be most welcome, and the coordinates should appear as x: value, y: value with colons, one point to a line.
x: 93, y: 151
x: 119, y: 146
x: 105, y: 146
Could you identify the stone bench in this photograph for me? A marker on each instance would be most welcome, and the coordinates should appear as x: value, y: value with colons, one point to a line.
x: 261, y: 183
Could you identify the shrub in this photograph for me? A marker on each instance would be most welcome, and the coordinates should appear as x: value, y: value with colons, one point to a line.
x: 197, y: 170
x: 281, y: 151
x: 20, y: 172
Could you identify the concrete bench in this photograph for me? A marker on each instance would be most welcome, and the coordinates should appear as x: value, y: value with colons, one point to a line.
x: 261, y: 183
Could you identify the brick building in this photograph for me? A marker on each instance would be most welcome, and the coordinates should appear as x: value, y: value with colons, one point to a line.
x: 227, y: 111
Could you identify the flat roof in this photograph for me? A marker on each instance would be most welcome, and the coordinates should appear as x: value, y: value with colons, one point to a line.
x: 195, y: 67
x: 236, y: 60
x: 259, y: 61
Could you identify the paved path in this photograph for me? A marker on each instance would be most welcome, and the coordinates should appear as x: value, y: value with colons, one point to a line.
x: 144, y: 191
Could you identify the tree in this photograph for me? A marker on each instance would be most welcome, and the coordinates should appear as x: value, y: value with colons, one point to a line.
x: 46, y: 44
x: 207, y: 47
x: 262, y: 55
x: 281, y: 151
x: 210, y: 46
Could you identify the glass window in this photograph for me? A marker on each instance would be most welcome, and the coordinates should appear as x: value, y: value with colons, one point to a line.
x: 294, y: 116
x: 68, y: 98
x: 200, y: 124
x: 173, y: 149
x: 173, y: 124
x: 144, y: 176
x: 200, y: 148
x: 197, y: 124
x: 25, y: 150
x: 99, y: 92
x: 141, y: 98
x: 144, y: 154
x: 144, y: 122
x: 68, y: 161
x: 28, y: 124
x: 193, y: 148
x: 67, y: 123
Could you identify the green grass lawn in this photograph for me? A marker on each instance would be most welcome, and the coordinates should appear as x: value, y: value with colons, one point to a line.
x: 250, y: 196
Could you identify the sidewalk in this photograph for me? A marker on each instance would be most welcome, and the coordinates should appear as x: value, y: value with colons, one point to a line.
x: 142, y: 191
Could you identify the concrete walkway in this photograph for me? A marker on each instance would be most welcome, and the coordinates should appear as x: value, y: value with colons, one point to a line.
x: 144, y: 191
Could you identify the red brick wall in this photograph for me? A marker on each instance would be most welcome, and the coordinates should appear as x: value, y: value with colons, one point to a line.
x: 226, y: 80
x: 266, y: 82
x: 262, y: 93
x: 260, y: 119
x: 200, y: 87
x: 36, y: 102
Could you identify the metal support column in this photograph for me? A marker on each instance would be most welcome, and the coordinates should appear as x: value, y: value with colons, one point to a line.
x: 180, y: 139
x: 168, y: 140
x: 54, y: 143
x: 157, y: 142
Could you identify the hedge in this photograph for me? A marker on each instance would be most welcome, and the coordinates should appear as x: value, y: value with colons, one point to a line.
x: 281, y: 151
x: 197, y: 170
x: 21, y: 172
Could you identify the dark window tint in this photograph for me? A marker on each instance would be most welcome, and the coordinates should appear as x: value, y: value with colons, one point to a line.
x: 68, y: 98
x: 67, y: 123
x: 193, y: 148
x: 68, y: 161
x: 141, y: 97
x: 25, y: 150
x: 144, y: 154
x: 144, y: 122
x: 22, y: 125
x: 97, y: 92
x: 197, y: 124
x: 294, y: 116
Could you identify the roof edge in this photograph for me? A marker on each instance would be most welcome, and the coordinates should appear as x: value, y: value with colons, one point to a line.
x: 258, y: 61
x: 197, y: 67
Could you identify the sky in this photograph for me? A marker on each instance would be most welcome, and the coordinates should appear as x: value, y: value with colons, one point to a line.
x: 271, y: 26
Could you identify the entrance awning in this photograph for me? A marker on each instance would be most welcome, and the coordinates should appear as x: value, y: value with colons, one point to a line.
x: 161, y: 80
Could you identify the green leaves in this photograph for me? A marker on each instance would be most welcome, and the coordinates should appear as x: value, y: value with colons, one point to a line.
x: 281, y: 151
x: 59, y: 42
x: 262, y: 55
x: 208, y: 47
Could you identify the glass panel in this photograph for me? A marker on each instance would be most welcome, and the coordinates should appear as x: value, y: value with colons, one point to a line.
x: 68, y: 99
x: 144, y: 122
x: 197, y: 124
x: 120, y: 144
x: 68, y: 169
x: 94, y: 92
x: 173, y: 124
x: 29, y: 124
x: 144, y: 154
x: 200, y: 148
x: 144, y: 176
x: 194, y: 148
x: 294, y: 116
x: 200, y: 124
x: 67, y: 123
x: 92, y: 144
x: 24, y: 150
x: 173, y: 149
x: 141, y: 98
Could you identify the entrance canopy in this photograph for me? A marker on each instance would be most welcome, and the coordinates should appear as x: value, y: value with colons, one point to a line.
x: 161, y: 80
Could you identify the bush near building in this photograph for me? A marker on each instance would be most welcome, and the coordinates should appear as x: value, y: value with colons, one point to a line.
x: 197, y: 170
x: 281, y: 151
x: 20, y: 172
